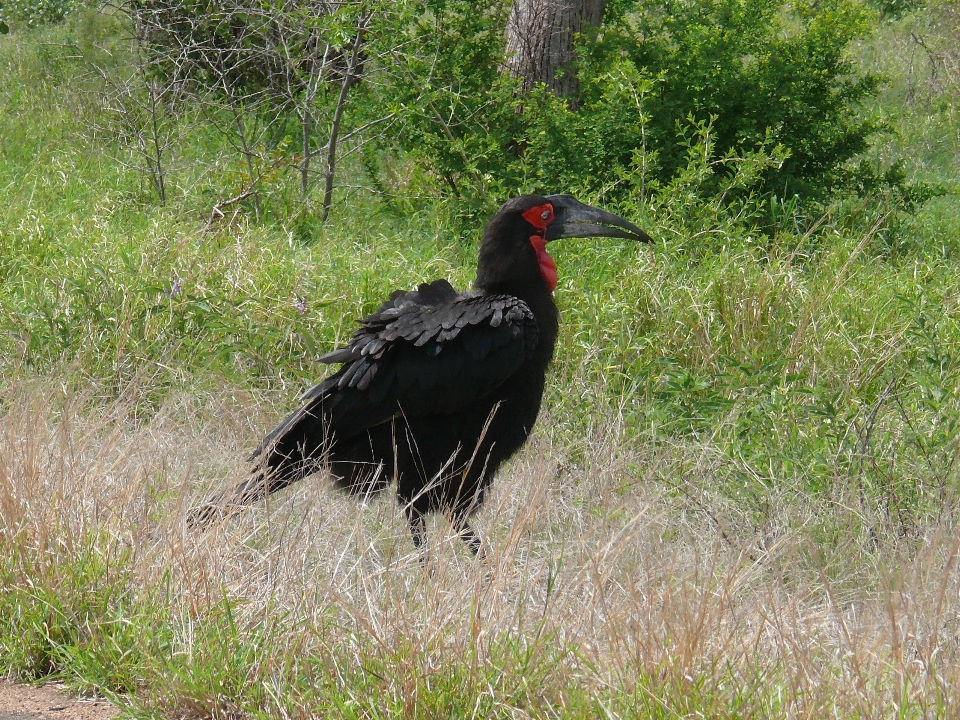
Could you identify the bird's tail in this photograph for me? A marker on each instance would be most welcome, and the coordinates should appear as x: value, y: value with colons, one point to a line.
x: 230, y: 502
x: 294, y: 449
x: 263, y: 481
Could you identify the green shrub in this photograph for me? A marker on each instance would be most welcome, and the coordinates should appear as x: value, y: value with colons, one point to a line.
x: 35, y: 12
x: 761, y: 73
x: 759, y: 67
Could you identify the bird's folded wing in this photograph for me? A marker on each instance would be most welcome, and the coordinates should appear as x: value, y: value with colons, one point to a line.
x: 426, y: 352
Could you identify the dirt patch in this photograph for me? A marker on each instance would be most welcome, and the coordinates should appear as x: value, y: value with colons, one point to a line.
x: 50, y: 701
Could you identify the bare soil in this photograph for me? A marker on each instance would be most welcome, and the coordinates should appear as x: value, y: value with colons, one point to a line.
x: 50, y: 701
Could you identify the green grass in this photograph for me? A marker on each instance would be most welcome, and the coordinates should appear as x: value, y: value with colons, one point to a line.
x: 738, y: 502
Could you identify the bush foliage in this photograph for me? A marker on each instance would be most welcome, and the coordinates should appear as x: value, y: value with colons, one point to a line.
x: 762, y: 74
x: 430, y: 91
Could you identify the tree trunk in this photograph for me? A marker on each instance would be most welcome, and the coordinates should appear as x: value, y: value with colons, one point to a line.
x: 540, y: 42
x: 350, y: 76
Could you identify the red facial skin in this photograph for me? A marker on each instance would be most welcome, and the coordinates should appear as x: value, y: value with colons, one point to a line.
x: 540, y: 216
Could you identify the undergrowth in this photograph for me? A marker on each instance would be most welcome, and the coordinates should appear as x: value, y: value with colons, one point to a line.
x: 603, y: 593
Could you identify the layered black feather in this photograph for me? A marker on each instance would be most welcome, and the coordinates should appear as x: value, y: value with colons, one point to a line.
x: 427, y: 352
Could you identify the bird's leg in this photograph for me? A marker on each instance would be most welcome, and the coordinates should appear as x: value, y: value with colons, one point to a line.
x: 418, y: 532
x: 471, y: 538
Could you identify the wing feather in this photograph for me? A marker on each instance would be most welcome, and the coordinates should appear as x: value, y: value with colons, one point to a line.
x: 424, y: 352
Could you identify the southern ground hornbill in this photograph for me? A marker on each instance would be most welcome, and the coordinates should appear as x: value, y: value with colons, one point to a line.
x: 437, y: 388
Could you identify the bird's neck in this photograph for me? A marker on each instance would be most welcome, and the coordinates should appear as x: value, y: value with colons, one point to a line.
x: 540, y: 301
x: 548, y: 322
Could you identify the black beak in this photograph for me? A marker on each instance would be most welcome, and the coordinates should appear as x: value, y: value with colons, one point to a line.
x: 572, y: 218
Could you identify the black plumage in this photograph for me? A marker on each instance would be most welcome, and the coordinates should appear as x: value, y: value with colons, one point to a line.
x: 436, y: 388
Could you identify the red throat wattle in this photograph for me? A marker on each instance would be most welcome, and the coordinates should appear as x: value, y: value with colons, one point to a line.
x: 540, y: 216
x: 548, y: 268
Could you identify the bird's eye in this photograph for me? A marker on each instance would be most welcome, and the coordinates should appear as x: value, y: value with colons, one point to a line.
x: 545, y: 214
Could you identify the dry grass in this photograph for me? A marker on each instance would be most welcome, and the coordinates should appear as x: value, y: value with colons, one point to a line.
x: 608, y: 589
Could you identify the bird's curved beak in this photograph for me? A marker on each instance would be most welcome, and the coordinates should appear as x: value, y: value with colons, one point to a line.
x: 572, y: 218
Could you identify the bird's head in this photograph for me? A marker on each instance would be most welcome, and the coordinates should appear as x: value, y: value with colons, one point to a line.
x: 513, y: 253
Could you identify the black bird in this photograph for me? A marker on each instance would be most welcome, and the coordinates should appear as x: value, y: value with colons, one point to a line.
x: 437, y: 388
